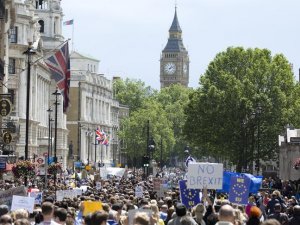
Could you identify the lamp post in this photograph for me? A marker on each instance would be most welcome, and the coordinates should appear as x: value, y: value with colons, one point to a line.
x: 56, y: 103
x: 49, y: 133
x: 29, y: 52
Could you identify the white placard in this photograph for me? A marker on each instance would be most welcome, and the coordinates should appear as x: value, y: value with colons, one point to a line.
x: 205, y: 175
x: 21, y: 202
x: 61, y: 194
x: 98, y: 185
x: 139, y: 192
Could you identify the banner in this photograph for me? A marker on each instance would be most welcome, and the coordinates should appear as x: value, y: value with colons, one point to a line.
x: 239, y: 190
x: 189, y: 197
x: 21, y: 202
x: 6, y: 196
x: 90, y: 207
x: 205, y: 175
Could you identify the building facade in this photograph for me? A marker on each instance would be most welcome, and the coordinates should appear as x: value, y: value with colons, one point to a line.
x: 25, y: 33
x: 174, y: 60
x: 93, y: 106
x: 289, y: 151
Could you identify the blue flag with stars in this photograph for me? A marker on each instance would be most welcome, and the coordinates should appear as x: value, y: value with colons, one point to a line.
x: 239, y: 190
x: 189, y: 197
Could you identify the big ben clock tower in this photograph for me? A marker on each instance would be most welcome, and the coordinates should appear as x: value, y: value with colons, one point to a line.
x: 174, y: 61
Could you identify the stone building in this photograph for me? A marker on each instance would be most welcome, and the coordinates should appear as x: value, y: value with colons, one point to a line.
x: 93, y: 106
x: 26, y: 32
x: 289, y: 151
x: 174, y: 61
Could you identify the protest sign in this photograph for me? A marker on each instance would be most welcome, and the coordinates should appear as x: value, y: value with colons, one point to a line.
x: 205, y: 175
x: 133, y: 212
x: 239, y: 190
x: 7, y: 195
x: 21, y: 202
x: 189, y: 197
x: 139, y: 192
x: 90, y: 207
x: 98, y: 185
x: 38, y: 196
x: 61, y: 194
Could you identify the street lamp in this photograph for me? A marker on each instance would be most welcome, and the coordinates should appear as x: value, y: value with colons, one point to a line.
x: 56, y: 103
x: 29, y: 52
x: 49, y: 132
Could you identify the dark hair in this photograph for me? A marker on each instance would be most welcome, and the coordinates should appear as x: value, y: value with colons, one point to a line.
x: 3, y: 209
x: 61, y: 213
x: 180, y: 209
x: 98, y: 217
x: 47, y: 208
x: 88, y: 219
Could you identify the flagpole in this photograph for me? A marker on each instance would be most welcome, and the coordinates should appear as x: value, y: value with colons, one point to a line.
x: 72, y: 36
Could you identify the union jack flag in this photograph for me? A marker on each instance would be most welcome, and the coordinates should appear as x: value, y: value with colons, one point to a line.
x: 59, y: 66
x: 100, y: 135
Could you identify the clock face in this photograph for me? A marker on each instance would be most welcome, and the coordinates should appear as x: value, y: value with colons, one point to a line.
x: 170, y: 68
x: 185, y: 68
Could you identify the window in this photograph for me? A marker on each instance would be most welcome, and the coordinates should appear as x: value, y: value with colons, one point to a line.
x: 13, y: 35
x: 12, y: 66
x: 41, y: 22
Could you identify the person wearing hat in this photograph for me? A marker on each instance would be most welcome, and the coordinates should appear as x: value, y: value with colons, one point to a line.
x: 181, y: 212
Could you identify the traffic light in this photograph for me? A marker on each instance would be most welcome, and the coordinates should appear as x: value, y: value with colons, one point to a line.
x: 146, y: 161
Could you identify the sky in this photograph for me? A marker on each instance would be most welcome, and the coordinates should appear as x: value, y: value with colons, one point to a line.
x: 127, y: 36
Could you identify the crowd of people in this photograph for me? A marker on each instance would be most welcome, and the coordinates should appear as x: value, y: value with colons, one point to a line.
x: 121, y: 206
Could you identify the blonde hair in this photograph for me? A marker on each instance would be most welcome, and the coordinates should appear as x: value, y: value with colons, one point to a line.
x: 198, y: 212
x: 155, y: 210
x: 20, y: 214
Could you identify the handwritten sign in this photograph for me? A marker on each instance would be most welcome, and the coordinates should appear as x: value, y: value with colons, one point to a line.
x: 21, y: 202
x: 205, y: 175
x: 90, y: 207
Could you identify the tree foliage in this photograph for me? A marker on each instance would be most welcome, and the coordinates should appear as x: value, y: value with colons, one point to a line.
x: 245, y: 98
x: 165, y: 112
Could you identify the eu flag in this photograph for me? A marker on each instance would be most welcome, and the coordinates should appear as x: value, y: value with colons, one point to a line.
x: 239, y: 190
x: 189, y: 197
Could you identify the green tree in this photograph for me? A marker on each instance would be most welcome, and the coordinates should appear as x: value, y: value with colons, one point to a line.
x: 132, y: 93
x: 173, y: 100
x: 135, y: 130
x: 244, y: 100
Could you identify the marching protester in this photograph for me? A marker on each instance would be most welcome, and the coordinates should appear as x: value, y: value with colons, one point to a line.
x: 152, y: 200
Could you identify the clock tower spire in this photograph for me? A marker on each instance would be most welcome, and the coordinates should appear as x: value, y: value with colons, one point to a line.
x: 174, y: 61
